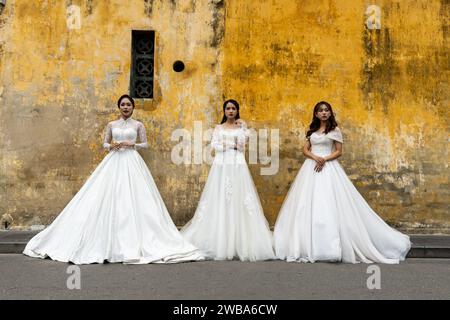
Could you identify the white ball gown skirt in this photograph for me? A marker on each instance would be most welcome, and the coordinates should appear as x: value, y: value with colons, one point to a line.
x: 324, y: 217
x: 229, y: 221
x: 118, y: 215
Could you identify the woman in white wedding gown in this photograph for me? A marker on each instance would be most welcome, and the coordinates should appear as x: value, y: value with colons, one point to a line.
x: 229, y: 221
x: 324, y: 217
x: 118, y: 215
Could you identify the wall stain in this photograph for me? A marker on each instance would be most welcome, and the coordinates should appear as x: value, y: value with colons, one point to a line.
x: 89, y: 6
x: 217, y: 23
x: 148, y: 7
x: 173, y: 4
x: 444, y: 17
x: 379, y: 69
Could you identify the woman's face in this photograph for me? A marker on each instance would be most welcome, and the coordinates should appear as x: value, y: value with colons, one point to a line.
x: 230, y: 111
x: 126, y: 108
x: 323, y: 113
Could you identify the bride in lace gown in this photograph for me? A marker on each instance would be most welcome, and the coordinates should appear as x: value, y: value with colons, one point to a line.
x: 324, y: 217
x: 229, y: 221
x: 118, y: 215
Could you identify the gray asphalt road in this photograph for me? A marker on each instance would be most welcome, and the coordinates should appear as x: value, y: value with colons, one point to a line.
x: 22, y: 277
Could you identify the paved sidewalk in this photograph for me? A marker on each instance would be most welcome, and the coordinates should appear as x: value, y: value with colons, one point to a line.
x: 424, y: 246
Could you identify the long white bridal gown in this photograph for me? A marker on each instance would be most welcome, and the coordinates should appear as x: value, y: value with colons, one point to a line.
x: 229, y: 221
x: 118, y: 215
x: 324, y: 217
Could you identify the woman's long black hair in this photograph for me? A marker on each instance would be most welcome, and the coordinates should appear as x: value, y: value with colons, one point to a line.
x: 236, y: 104
x: 315, y: 123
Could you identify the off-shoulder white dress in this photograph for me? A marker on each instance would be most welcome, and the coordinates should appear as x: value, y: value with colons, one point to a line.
x: 324, y: 217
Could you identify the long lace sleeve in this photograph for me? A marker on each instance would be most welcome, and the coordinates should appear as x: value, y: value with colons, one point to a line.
x: 108, y: 137
x: 142, y: 134
x: 336, y: 135
x: 216, y: 141
x: 242, y: 137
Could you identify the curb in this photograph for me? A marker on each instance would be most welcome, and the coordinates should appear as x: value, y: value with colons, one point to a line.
x: 424, y: 246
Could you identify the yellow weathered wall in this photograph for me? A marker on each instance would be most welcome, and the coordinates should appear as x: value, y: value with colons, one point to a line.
x: 389, y: 88
x: 60, y: 88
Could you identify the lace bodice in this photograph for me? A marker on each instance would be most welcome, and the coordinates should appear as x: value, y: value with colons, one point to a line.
x: 322, y: 144
x: 125, y: 130
x: 228, y: 139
